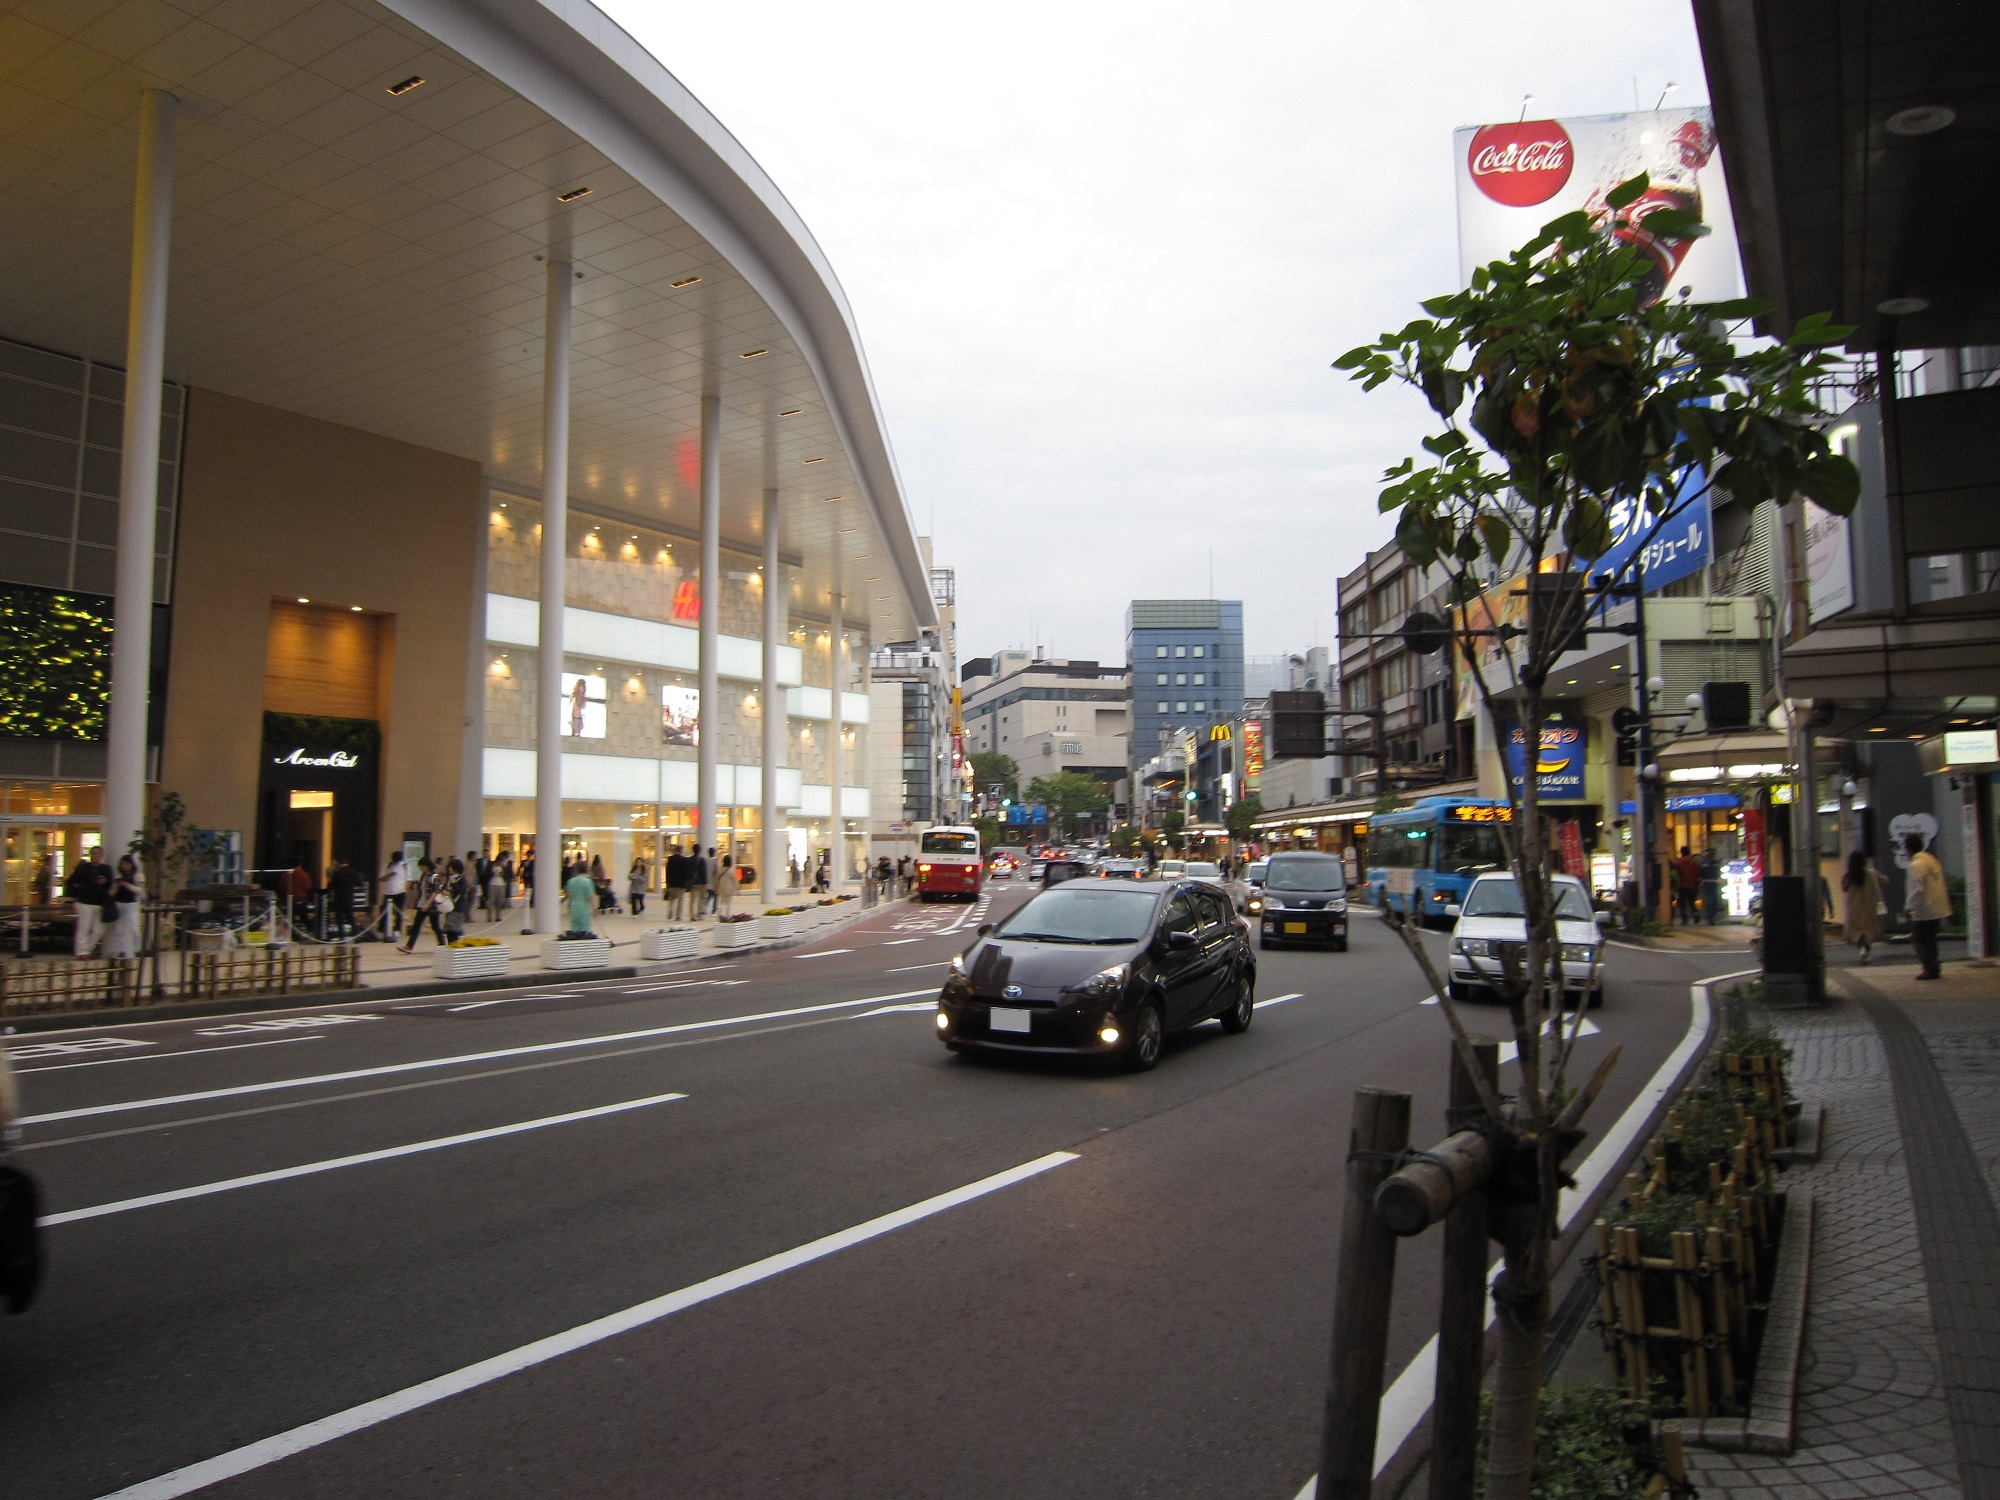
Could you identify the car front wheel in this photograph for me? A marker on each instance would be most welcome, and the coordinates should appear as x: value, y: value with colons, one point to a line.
x: 1236, y: 1019
x: 1149, y: 1034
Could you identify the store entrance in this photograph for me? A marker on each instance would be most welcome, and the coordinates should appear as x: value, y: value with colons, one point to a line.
x: 319, y: 797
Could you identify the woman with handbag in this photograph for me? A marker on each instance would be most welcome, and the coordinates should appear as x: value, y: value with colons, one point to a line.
x: 1862, y: 904
x: 428, y: 904
x: 459, y: 894
x: 121, y: 911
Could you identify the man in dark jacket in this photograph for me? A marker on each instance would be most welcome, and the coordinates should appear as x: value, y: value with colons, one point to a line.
x: 676, y: 877
x: 89, y: 887
x: 341, y: 885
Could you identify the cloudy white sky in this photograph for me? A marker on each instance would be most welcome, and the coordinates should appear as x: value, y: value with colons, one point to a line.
x: 1103, y: 254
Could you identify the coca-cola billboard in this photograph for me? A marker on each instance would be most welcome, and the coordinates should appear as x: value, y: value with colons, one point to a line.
x: 1515, y: 177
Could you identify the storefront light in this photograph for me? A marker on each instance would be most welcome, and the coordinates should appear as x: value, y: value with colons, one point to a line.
x: 1695, y: 773
x: 1755, y: 771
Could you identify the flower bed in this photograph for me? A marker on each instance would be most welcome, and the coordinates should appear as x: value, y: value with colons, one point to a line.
x: 736, y: 931
x: 775, y: 926
x: 658, y: 943
x: 576, y: 953
x: 471, y: 958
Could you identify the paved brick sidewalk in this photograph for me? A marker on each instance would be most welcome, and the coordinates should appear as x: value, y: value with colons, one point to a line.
x: 1872, y: 1418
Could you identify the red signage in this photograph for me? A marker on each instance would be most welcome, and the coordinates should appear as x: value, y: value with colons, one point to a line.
x: 1521, y: 164
x: 1753, y: 843
x: 687, y: 600
x: 1571, y: 838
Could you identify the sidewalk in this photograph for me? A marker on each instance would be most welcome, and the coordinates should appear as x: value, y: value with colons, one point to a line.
x: 1899, y: 1390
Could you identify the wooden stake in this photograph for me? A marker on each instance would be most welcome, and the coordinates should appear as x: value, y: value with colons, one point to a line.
x: 1462, y: 1305
x: 1367, y: 1277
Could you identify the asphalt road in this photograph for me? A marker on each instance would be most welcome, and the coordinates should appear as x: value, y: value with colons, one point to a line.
x: 703, y: 1234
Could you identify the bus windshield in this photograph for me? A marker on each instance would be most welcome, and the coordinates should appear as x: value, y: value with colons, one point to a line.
x: 1469, y: 849
x: 949, y: 841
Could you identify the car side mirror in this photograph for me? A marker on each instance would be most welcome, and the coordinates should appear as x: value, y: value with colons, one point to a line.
x: 1602, y: 918
x: 1180, y: 941
x: 984, y: 928
x: 1453, y: 910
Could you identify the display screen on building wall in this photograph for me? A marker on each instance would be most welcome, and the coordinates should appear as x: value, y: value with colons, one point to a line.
x: 583, y: 707
x: 55, y: 664
x: 680, y: 716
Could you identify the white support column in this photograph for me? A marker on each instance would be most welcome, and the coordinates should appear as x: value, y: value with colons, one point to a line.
x: 555, y: 558
x: 139, y: 477
x: 705, y: 830
x: 836, y: 761
x: 771, y: 854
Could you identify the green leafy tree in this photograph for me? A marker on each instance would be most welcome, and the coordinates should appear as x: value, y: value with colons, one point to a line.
x: 1242, y: 813
x: 991, y: 768
x: 166, y: 846
x: 1126, y: 841
x: 989, y: 831
x: 1172, y: 824
x: 1569, y: 400
x: 1068, y: 796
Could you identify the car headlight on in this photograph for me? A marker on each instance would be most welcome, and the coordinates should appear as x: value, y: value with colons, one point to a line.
x: 1254, y: 904
x: 1472, y: 947
x: 958, y: 964
x: 1579, y: 953
x: 1105, y: 984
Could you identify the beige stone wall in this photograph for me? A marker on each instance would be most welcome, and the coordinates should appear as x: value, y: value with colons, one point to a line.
x: 631, y: 711
x: 279, y: 506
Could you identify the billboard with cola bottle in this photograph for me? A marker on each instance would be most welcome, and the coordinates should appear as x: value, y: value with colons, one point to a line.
x: 1514, y: 178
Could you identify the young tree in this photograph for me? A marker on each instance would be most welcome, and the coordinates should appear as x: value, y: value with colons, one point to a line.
x: 1172, y: 822
x: 1572, y: 406
x: 1068, y: 795
x: 1242, y: 813
x: 991, y: 768
x: 1126, y: 841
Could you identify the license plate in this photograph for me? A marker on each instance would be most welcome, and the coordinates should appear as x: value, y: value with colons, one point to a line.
x: 1010, y: 1020
x: 1295, y: 927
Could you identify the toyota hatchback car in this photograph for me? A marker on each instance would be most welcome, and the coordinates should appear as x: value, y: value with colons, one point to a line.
x: 1304, y: 900
x: 1489, y: 946
x: 1101, y: 969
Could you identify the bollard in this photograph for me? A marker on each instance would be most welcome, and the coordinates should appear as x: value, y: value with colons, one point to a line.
x: 1362, y: 1295
x: 1462, y: 1304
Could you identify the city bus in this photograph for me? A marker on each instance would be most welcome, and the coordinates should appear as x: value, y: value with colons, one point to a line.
x: 948, y: 863
x: 1422, y: 857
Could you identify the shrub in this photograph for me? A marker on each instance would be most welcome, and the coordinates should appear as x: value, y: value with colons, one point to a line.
x: 1590, y: 1444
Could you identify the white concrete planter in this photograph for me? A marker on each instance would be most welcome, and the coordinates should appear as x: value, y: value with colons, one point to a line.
x: 582, y: 953
x: 470, y: 963
x: 658, y: 943
x: 739, y: 934
x: 775, y: 929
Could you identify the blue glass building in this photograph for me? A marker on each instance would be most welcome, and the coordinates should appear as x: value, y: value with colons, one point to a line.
x: 1186, y: 660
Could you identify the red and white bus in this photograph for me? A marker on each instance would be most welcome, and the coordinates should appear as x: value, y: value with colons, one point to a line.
x: 948, y: 863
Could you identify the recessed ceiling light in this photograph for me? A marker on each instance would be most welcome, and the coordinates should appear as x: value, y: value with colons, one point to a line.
x: 572, y: 195
x: 1877, y: 729
x: 416, y: 81
x: 355, y: 607
x: 1901, y: 307
x: 753, y: 354
x: 684, y: 281
x: 1922, y: 119
x: 1961, y: 721
x: 305, y: 601
x: 820, y: 460
x: 793, y: 412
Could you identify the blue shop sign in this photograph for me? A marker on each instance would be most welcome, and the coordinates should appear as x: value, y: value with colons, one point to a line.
x: 1694, y: 802
x: 1559, y: 760
x: 1662, y: 548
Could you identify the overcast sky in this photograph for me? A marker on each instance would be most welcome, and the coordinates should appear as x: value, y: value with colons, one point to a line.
x: 1102, y: 256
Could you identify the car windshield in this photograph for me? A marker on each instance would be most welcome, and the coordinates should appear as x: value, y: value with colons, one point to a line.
x: 1502, y: 898
x: 1323, y: 873
x: 1201, y: 869
x: 1469, y: 850
x: 938, y: 841
x: 1255, y: 873
x: 1081, y: 914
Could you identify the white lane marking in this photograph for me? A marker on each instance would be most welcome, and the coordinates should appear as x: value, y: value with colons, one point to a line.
x: 509, y: 1000
x: 497, y: 1053
x: 1405, y: 1403
x: 368, y: 1414
x: 912, y: 968
x: 972, y: 913
x: 1279, y: 999
x: 103, y: 1062
x: 70, y: 1049
x: 1509, y: 1051
x: 282, y: 1023
x: 678, y: 984
x: 895, y: 1010
x: 823, y: 953
x: 362, y: 1158
x: 898, y: 942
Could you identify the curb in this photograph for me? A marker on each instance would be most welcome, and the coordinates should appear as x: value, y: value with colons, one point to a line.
x: 1771, y: 1426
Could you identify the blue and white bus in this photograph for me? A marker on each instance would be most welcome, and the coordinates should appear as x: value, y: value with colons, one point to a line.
x: 1422, y: 857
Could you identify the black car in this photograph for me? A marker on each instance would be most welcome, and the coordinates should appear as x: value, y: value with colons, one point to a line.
x: 1056, y: 871
x: 1101, y: 969
x: 1304, y: 900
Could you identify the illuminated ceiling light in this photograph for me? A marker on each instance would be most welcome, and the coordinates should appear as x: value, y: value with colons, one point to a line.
x: 572, y: 195
x: 1921, y: 119
x: 685, y: 281
x: 1961, y: 721
x: 753, y: 353
x: 417, y: 80
x: 355, y: 607
x: 1902, y: 307
x: 305, y: 601
x: 1878, y: 729
x: 793, y: 412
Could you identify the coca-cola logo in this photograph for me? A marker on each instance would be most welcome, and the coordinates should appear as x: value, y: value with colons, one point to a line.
x: 1521, y: 164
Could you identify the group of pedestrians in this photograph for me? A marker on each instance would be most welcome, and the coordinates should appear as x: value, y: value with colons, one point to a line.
x: 1696, y: 888
x: 107, y: 903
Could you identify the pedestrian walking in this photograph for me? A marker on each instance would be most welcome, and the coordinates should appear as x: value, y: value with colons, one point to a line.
x: 459, y: 896
x: 341, y: 885
x: 697, y: 878
x: 902, y: 874
x: 1862, y: 904
x: 527, y: 877
x: 121, y: 911
x: 480, y: 871
x: 1711, y: 888
x: 394, y: 883
x: 427, y: 904
x: 45, y: 880
x: 1928, y: 904
x: 726, y: 881
x: 88, y: 888
x: 793, y: 865
x: 582, y: 893
x: 1687, y: 886
x: 498, y: 878
x: 635, y: 884
x: 676, y: 878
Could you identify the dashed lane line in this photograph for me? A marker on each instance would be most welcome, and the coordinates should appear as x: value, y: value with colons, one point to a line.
x: 823, y: 953
x: 368, y: 1414
x: 360, y: 1158
x: 569, y: 1044
x: 102, y: 1062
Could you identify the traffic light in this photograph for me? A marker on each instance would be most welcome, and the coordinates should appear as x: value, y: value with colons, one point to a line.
x: 1625, y: 722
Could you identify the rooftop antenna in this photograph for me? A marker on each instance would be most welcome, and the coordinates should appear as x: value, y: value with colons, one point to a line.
x: 1526, y: 100
x: 1670, y: 88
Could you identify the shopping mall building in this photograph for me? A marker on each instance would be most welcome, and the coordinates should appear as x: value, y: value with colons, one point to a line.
x: 501, y: 463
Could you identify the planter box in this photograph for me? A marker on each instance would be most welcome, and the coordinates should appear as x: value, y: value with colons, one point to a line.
x: 775, y: 929
x: 470, y: 963
x: 738, y: 934
x: 658, y: 943
x: 583, y: 953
